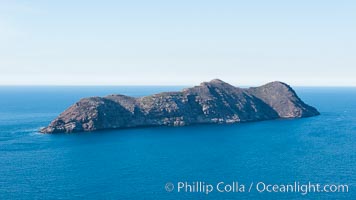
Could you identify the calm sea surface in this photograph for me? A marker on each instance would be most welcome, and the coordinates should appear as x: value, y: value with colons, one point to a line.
x: 137, y: 163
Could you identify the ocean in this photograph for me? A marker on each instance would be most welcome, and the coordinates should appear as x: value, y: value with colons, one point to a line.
x: 238, y: 161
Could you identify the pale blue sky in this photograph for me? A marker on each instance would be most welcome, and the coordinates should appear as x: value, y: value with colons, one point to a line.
x: 185, y: 42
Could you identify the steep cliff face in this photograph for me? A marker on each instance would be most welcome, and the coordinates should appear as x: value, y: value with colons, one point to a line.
x: 210, y: 102
x: 283, y: 99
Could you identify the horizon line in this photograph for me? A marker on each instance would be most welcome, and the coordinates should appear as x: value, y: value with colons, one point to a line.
x: 149, y: 85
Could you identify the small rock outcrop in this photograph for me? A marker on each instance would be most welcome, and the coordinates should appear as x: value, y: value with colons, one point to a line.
x: 210, y: 102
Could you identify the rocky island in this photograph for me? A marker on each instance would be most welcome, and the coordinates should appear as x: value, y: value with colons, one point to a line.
x: 210, y: 102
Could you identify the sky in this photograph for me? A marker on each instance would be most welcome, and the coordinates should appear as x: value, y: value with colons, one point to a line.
x: 183, y: 42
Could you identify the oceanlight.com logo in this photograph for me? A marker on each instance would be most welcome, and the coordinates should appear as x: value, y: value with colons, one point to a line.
x: 260, y: 187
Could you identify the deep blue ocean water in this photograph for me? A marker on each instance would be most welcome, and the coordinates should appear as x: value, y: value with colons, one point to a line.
x: 137, y: 163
